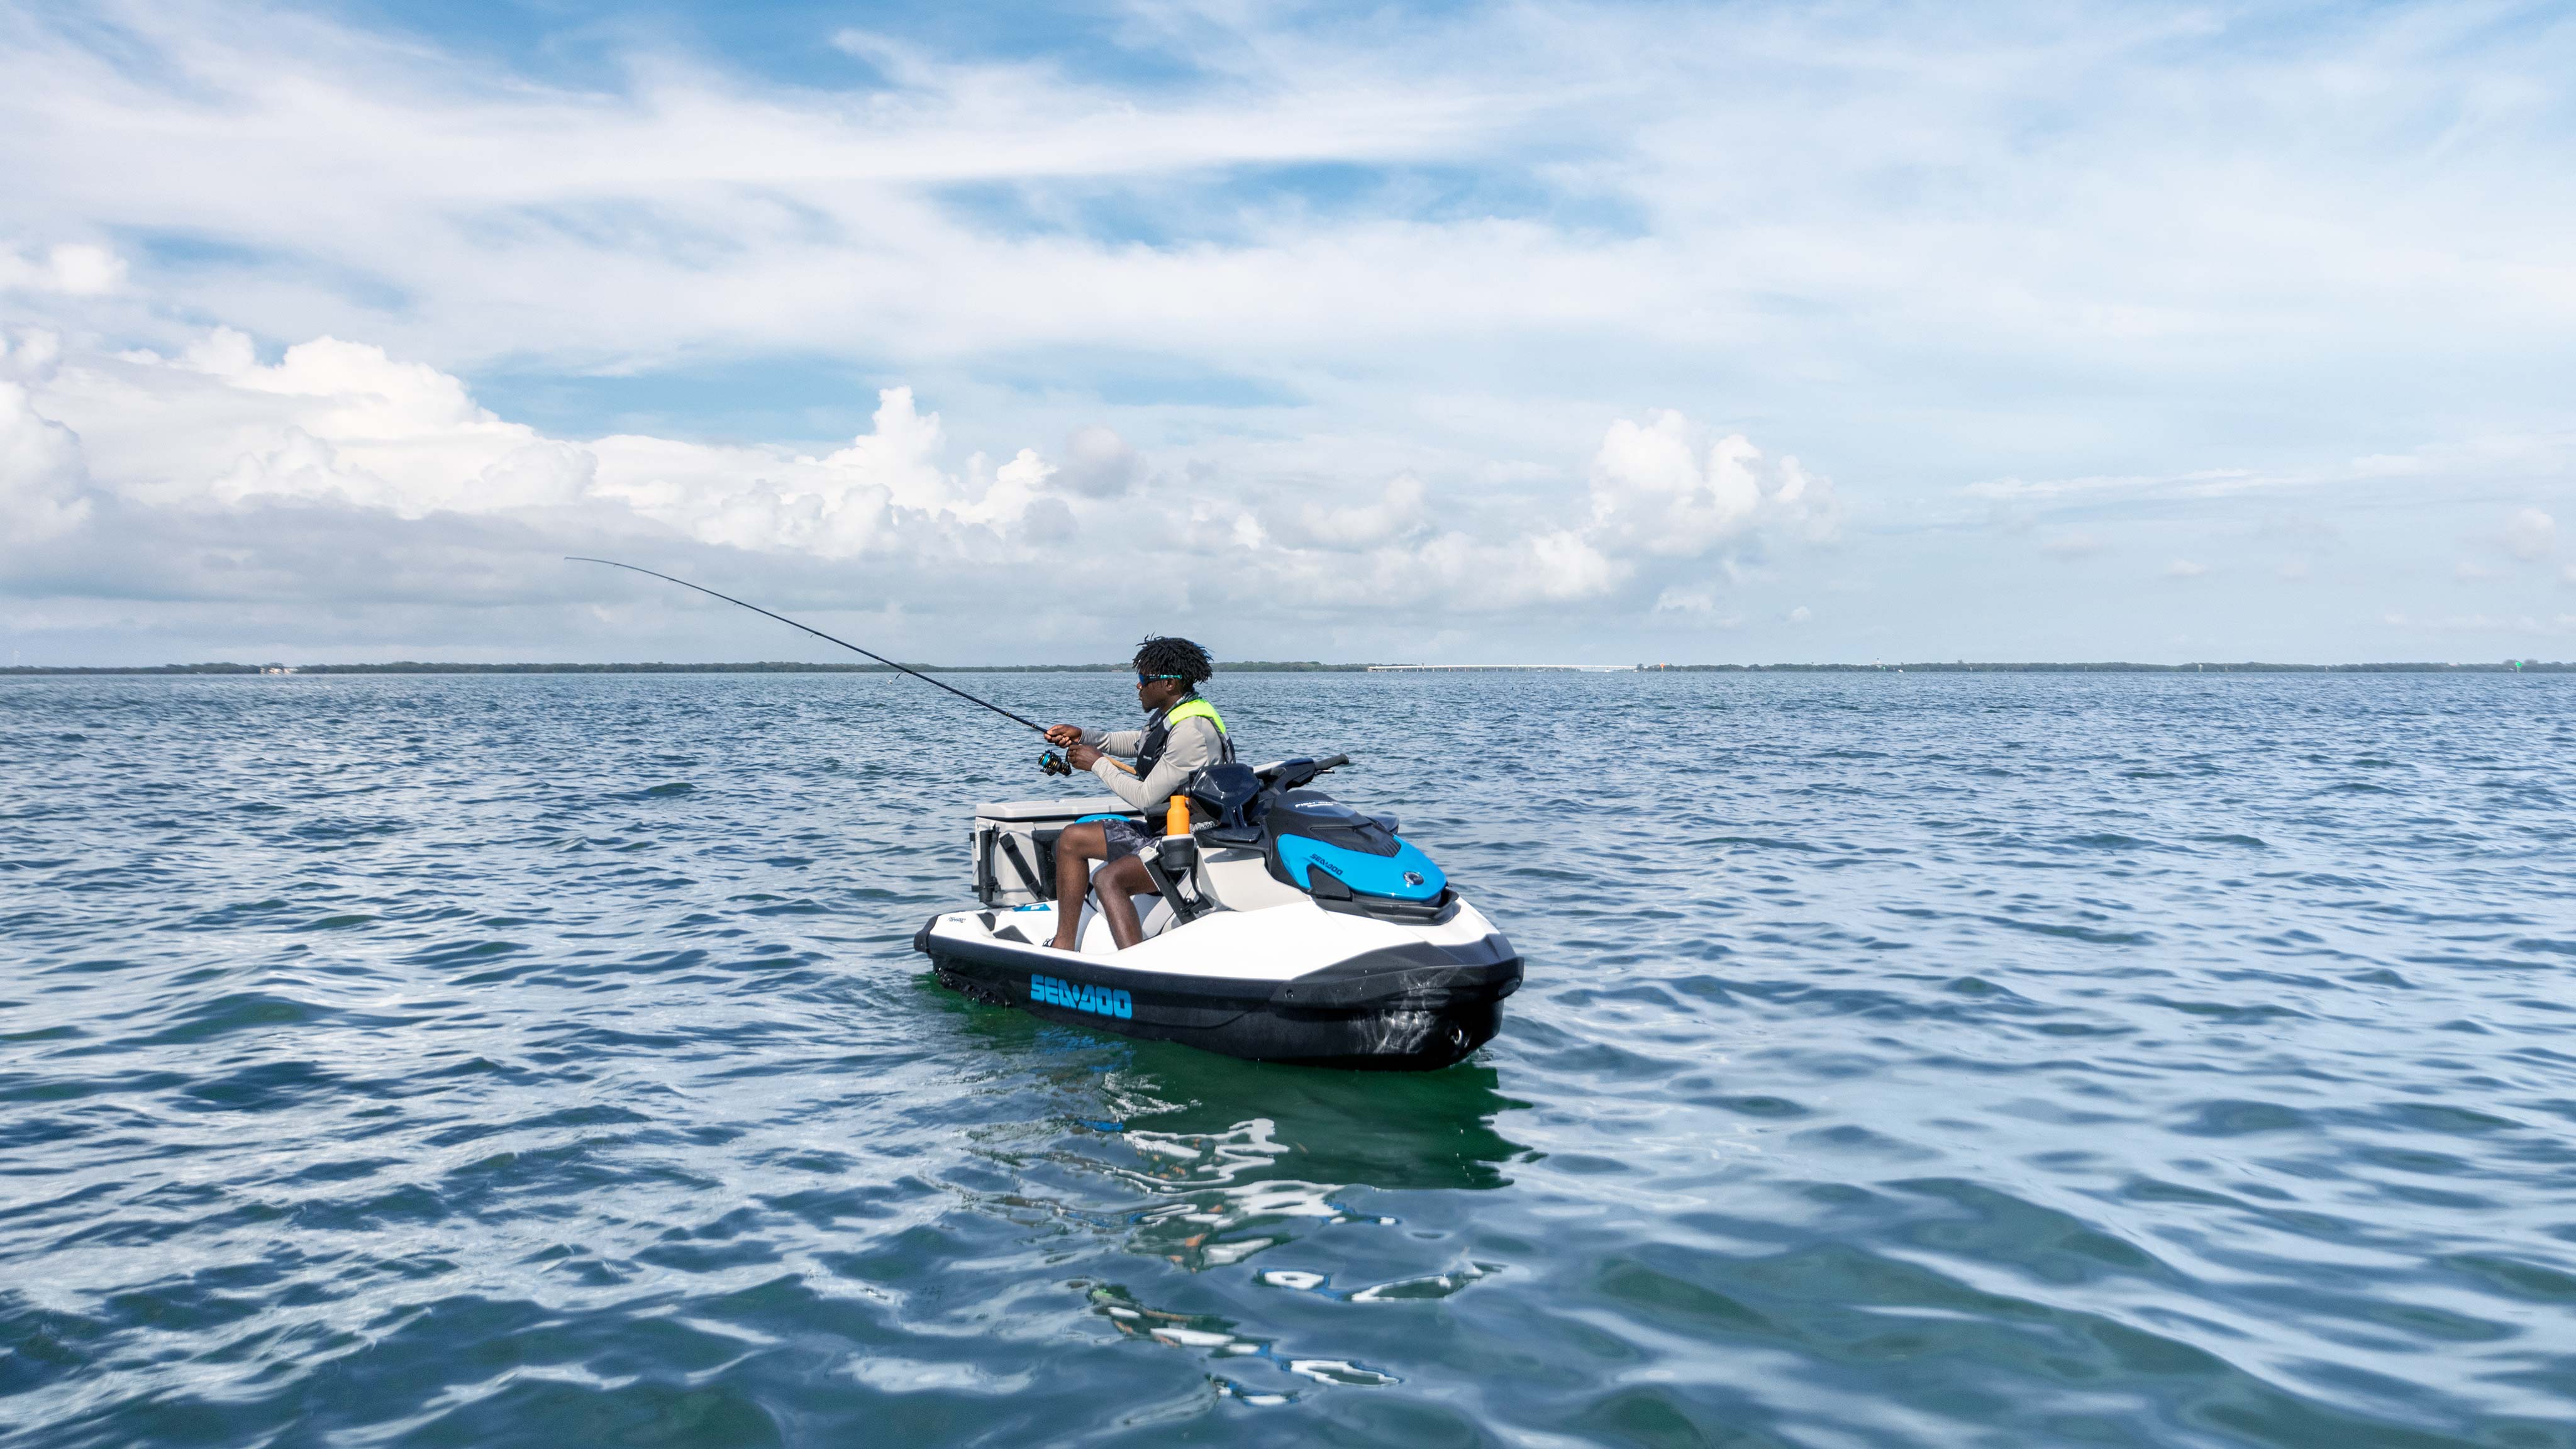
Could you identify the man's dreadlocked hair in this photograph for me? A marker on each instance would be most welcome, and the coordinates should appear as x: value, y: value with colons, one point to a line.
x: 1160, y: 655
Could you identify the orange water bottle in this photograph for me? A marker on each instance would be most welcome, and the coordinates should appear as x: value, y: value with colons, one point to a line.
x: 1176, y: 819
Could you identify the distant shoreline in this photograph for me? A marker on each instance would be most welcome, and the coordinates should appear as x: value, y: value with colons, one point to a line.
x: 2528, y: 666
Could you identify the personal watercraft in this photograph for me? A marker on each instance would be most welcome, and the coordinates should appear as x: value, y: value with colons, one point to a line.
x: 1290, y: 928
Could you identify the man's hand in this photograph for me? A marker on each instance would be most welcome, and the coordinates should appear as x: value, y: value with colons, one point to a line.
x: 1079, y: 755
x: 1065, y: 735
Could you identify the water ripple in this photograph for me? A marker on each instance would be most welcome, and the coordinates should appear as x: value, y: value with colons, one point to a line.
x: 1904, y: 1059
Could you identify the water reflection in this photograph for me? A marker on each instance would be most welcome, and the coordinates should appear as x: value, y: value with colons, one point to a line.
x: 1216, y: 1147
x: 1202, y: 1162
x: 1397, y: 1131
x: 1218, y: 1337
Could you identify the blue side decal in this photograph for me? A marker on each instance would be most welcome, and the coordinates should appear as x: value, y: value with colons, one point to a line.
x: 1407, y: 875
x: 1098, y: 1000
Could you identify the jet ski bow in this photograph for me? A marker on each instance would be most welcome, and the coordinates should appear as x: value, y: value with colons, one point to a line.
x: 1290, y: 928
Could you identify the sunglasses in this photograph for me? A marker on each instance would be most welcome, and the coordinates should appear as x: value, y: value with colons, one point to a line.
x: 1145, y: 679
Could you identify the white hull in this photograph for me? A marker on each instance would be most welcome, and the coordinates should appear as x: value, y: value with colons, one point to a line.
x: 1290, y: 982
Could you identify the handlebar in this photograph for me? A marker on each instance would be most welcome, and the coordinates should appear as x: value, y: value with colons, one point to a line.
x: 1291, y: 774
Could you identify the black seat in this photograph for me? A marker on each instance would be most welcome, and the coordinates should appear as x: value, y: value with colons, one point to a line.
x: 1231, y: 792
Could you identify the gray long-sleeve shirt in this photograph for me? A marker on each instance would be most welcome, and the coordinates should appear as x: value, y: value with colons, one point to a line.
x: 1195, y: 742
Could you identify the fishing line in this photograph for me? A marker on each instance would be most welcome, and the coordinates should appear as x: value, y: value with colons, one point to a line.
x: 819, y: 634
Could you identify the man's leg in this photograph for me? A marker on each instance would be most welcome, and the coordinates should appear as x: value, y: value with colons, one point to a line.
x: 1120, y: 882
x: 1075, y: 850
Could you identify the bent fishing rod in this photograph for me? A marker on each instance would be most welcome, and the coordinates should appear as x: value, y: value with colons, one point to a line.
x: 1051, y: 762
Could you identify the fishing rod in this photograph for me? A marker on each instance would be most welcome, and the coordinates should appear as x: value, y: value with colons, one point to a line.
x: 1051, y: 762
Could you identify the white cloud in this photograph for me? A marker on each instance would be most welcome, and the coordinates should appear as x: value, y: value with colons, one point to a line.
x: 341, y: 422
x: 384, y: 446
x: 2183, y: 568
x: 2531, y: 535
x: 2052, y: 249
x: 71, y: 269
x: 1554, y: 567
x: 349, y: 422
x: 43, y: 488
x: 30, y: 353
x: 1098, y: 463
x: 1698, y: 606
x: 1398, y: 513
x: 1720, y: 173
x: 1652, y: 492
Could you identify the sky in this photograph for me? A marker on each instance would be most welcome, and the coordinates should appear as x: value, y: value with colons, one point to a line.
x: 1521, y: 333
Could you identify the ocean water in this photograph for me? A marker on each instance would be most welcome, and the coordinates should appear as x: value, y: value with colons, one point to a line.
x: 1980, y: 1060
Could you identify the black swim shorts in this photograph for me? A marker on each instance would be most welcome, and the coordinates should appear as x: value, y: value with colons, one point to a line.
x: 1124, y: 838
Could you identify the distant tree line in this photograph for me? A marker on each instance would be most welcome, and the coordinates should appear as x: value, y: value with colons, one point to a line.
x: 1962, y: 666
x: 773, y: 666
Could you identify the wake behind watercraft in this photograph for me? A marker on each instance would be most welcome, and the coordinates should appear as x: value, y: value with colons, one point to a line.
x: 1290, y: 928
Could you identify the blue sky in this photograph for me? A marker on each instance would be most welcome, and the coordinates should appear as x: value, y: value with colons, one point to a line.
x: 1724, y: 333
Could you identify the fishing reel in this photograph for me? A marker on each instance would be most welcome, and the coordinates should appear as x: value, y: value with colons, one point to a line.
x: 1053, y: 762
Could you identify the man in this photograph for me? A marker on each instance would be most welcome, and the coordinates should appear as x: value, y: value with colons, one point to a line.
x: 1182, y: 733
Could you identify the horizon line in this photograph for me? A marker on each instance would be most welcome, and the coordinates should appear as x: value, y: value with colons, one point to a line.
x: 1960, y: 666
